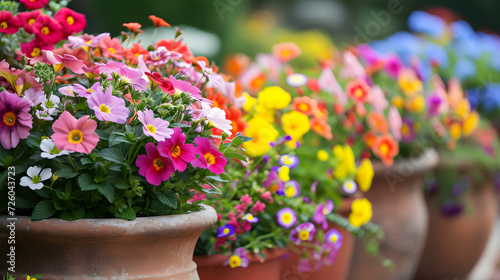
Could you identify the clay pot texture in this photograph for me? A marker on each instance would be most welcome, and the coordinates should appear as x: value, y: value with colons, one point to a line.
x: 340, y: 268
x: 147, y: 248
x: 455, y: 243
x: 399, y: 209
x: 211, y: 267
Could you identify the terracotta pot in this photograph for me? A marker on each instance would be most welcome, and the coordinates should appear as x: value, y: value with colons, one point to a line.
x: 455, y: 243
x: 399, y: 209
x: 339, y: 269
x: 146, y: 248
x: 211, y: 267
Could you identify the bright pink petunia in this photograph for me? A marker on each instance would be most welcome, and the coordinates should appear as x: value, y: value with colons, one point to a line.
x: 34, y: 4
x: 71, y: 21
x: 47, y: 30
x: 27, y: 20
x: 75, y: 135
x: 153, y: 166
x: 209, y: 157
x: 34, y: 48
x: 15, y: 119
x: 183, y: 86
x: 154, y: 127
x: 108, y: 107
x: 112, y: 48
x: 175, y: 148
x: 8, y: 23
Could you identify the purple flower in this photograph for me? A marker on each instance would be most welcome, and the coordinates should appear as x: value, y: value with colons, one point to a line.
x: 108, y: 107
x: 305, y: 265
x: 250, y: 218
x: 333, y: 236
x: 393, y: 65
x: 85, y: 92
x: 286, y: 217
x: 226, y: 230
x: 451, y: 209
x: 154, y: 127
x: 238, y: 258
x: 289, y: 160
x: 303, y: 232
x: 133, y: 77
x: 15, y: 121
x: 408, y: 130
x: 328, y: 254
x: 320, y: 214
x: 434, y: 102
x: 290, y: 189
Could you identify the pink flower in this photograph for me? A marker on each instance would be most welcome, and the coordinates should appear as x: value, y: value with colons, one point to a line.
x: 378, y: 100
x: 267, y: 196
x: 154, y: 127
x: 328, y: 83
x: 352, y: 69
x: 183, y: 86
x: 34, y: 96
x: 216, y: 117
x: 85, y: 92
x: 69, y: 61
x: 67, y: 90
x: 8, y: 23
x: 258, y: 207
x: 161, y: 56
x: 395, y: 122
x: 71, y: 21
x: 153, y: 166
x: 112, y: 48
x: 47, y: 30
x: 15, y: 119
x: 86, y: 41
x: 34, y: 48
x: 34, y: 4
x: 176, y: 149
x: 209, y: 156
x: 75, y: 135
x: 240, y: 208
x: 27, y: 19
x: 246, y: 199
x: 108, y: 107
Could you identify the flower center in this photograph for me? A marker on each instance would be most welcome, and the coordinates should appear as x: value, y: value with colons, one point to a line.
x: 226, y: 231
x: 49, y: 104
x: 9, y: 118
x: 4, y: 25
x: 45, y: 30
x: 31, y: 21
x: 151, y: 128
x: 333, y: 238
x: 36, y: 179
x: 158, y: 163
x: 358, y: 93
x: 90, y: 90
x: 70, y: 20
x: 75, y: 136
x: 36, y: 52
x: 137, y: 54
x: 290, y: 192
x: 176, y: 151
x: 303, y: 107
x: 286, y: 53
x: 405, y: 130
x: 250, y: 217
x: 325, y: 212
x: 54, y: 150
x: 384, y: 148
x: 303, y: 235
x: 111, y: 50
x: 234, y: 261
x: 210, y: 158
x: 104, y: 108
x: 287, y: 218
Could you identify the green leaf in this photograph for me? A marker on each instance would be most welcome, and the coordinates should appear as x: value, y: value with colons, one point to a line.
x: 122, y: 185
x: 107, y: 190
x: 113, y: 155
x: 86, y: 183
x: 218, y: 179
x: 66, y: 172
x: 26, y: 198
x: 168, y: 198
x: 233, y: 154
x: 179, y: 125
x: 127, y: 214
x: 43, y: 210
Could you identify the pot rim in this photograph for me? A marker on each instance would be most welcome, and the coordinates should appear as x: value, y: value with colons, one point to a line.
x: 415, y: 165
x: 111, y: 227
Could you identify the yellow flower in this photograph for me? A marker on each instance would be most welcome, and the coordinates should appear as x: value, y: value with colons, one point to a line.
x: 397, y: 101
x: 361, y: 212
x: 249, y: 103
x: 262, y: 133
x: 455, y: 131
x: 409, y: 82
x: 274, y: 97
x: 346, y: 166
x: 29, y: 278
x: 463, y: 109
x: 295, y: 124
x: 284, y: 173
x: 416, y: 104
x: 265, y: 113
x: 470, y: 123
x: 323, y: 155
x: 364, y: 175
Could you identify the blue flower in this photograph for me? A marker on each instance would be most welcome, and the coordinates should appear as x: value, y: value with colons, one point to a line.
x: 464, y: 68
x: 461, y: 30
x: 226, y: 230
x: 422, y: 22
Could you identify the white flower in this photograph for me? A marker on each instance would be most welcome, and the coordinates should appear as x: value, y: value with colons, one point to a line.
x: 216, y: 117
x: 50, y: 107
x: 35, y: 177
x: 296, y: 80
x: 34, y: 96
x: 49, y: 149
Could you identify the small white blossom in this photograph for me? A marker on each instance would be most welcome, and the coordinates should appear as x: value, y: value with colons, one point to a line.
x: 217, y: 117
x: 49, y: 149
x: 35, y: 177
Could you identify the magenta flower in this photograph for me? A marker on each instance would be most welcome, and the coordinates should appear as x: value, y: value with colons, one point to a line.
x: 183, y: 86
x: 153, y: 166
x: 258, y: 207
x: 286, y: 217
x: 303, y: 232
x: 108, y: 107
x: 161, y: 56
x: 209, y: 157
x: 238, y: 258
x: 16, y: 121
x: 154, y: 127
x: 85, y: 92
x: 393, y: 66
x: 246, y: 199
x: 320, y: 214
x: 175, y: 148
x: 408, y: 130
x: 75, y: 135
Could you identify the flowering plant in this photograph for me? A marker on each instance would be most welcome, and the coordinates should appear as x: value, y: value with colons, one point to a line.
x: 100, y: 129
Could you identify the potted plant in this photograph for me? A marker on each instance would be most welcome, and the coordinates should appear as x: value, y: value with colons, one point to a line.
x: 102, y: 142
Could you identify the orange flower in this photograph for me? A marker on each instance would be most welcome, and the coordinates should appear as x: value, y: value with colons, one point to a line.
x: 377, y: 122
x: 358, y: 90
x: 305, y: 105
x: 132, y: 26
x: 369, y: 139
x: 217, y: 98
x: 158, y: 22
x: 285, y: 52
x: 386, y: 148
x: 321, y: 127
x: 133, y: 53
x: 257, y: 82
x: 235, y: 64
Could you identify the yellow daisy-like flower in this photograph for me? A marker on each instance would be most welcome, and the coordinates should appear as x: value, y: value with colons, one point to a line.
x: 262, y: 133
x: 361, y: 212
x: 470, y: 123
x: 249, y: 103
x: 364, y: 175
x: 295, y: 124
x: 274, y: 97
x: 346, y: 165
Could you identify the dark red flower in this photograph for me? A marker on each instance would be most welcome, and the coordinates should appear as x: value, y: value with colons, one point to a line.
x: 34, y: 4
x: 27, y: 20
x: 34, y: 48
x: 71, y: 21
x: 164, y: 83
x: 8, y: 23
x: 47, y: 30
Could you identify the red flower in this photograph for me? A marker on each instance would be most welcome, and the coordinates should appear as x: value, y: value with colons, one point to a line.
x: 164, y: 83
x: 34, y: 4
x: 133, y: 53
x: 158, y: 22
x: 112, y: 48
x: 34, y: 48
x: 8, y: 23
x: 386, y: 148
x: 132, y: 26
x: 177, y: 46
x: 358, y: 90
x: 71, y: 21
x: 27, y: 20
x: 47, y: 30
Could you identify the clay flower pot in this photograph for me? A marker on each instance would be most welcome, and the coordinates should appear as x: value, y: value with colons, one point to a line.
x: 399, y: 209
x: 147, y: 248
x: 211, y: 267
x: 455, y: 243
x: 340, y: 268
